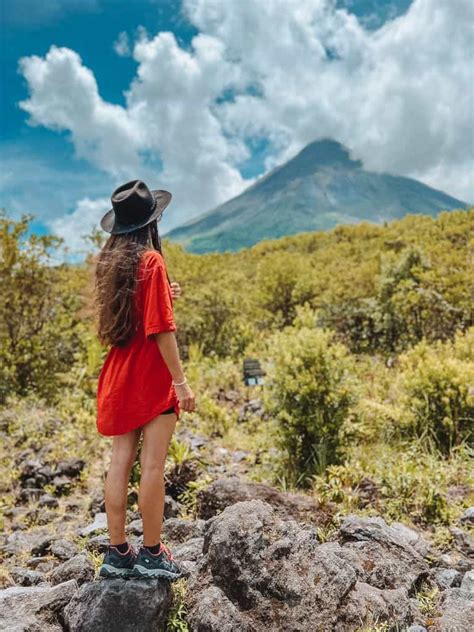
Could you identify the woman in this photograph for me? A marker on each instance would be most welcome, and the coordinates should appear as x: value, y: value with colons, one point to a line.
x: 142, y: 386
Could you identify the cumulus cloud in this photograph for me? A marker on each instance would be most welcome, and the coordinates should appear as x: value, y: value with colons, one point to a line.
x: 75, y: 227
x: 399, y: 97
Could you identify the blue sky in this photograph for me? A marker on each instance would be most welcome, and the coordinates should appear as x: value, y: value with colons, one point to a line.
x: 207, y: 110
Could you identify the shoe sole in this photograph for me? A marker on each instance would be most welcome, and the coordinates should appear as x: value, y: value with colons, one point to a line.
x: 154, y: 573
x: 107, y: 570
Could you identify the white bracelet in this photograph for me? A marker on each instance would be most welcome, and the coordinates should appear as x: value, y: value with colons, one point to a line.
x: 180, y: 383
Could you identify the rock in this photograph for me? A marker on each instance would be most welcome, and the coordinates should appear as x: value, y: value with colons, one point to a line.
x: 70, y: 467
x: 100, y: 523
x: 416, y: 628
x: 172, y: 507
x: 180, y: 530
x: 447, y: 578
x: 456, y: 607
x: 33, y: 562
x: 227, y: 491
x: 97, y: 504
x: 274, y: 573
x: 63, y: 549
x: 467, y: 583
x: 468, y: 516
x: 62, y: 484
x: 26, y: 577
x: 178, y: 477
x: 42, y: 545
x: 28, y: 494
x: 98, y: 543
x: 35, y: 609
x: 23, y: 542
x: 189, y: 553
x: 369, y: 604
x: 135, y: 527
x: 463, y: 540
x: 253, y: 407
x: 239, y: 455
x: 46, y: 500
x: 139, y: 606
x: 413, y: 538
x: 387, y: 559
x: 78, y: 567
x: 214, y: 612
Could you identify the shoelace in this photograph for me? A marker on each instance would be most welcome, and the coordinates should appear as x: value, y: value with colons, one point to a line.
x: 167, y: 551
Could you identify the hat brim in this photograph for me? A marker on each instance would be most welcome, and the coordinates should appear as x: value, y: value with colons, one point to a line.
x: 112, y: 226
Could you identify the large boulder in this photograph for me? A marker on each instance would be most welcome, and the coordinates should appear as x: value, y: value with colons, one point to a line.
x: 35, y: 609
x: 387, y: 558
x: 128, y: 605
x: 227, y: 491
x: 263, y: 572
x: 456, y: 609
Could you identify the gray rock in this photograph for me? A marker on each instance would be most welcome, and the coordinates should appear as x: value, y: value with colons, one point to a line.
x: 35, y: 609
x: 413, y: 538
x: 389, y: 562
x: 172, y: 507
x: 227, y: 491
x: 63, y: 549
x: 447, y: 578
x: 135, y: 527
x: 416, y: 628
x: 46, y: 500
x: 273, y: 571
x: 261, y: 571
x: 467, y: 583
x: 42, y: 545
x: 62, y: 484
x: 100, y: 523
x: 132, y: 605
x: 464, y: 541
x: 26, y: 576
x: 23, y: 542
x: 98, y: 543
x: 180, y: 530
x: 214, y: 612
x: 78, y: 567
x: 456, y: 607
x: 70, y: 467
x: 372, y: 605
x: 468, y: 516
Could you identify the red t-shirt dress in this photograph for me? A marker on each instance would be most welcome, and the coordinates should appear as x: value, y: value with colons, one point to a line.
x: 135, y: 384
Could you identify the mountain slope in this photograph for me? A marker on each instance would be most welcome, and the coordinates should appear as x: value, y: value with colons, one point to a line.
x: 316, y: 190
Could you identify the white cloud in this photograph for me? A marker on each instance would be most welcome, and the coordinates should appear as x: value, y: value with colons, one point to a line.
x: 122, y: 45
x: 75, y: 228
x: 400, y: 97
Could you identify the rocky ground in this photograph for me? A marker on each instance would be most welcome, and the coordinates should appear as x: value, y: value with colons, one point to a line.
x: 258, y: 559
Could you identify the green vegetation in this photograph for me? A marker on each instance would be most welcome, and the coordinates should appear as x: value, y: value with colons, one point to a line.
x: 366, y: 334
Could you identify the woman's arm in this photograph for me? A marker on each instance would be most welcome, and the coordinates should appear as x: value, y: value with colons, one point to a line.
x: 166, y: 341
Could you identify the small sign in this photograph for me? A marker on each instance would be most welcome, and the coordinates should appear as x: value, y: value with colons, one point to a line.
x: 253, y: 372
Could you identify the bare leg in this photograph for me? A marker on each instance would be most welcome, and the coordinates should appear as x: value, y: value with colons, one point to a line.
x: 151, y: 497
x: 124, y: 451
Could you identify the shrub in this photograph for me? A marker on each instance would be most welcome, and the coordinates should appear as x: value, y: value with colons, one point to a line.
x: 38, y: 323
x: 311, y: 389
x: 437, y: 391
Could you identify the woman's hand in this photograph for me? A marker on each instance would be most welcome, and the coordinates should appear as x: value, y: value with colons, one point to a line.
x: 175, y: 289
x: 186, y: 397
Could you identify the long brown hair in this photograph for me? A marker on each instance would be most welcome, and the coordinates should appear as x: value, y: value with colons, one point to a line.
x: 116, y: 282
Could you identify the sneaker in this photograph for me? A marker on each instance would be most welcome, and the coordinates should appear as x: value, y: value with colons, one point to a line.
x: 161, y: 564
x: 118, y: 564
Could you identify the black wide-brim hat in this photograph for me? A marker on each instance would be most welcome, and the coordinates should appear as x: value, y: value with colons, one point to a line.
x: 134, y: 206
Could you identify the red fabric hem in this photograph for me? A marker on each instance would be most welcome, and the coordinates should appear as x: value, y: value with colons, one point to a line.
x: 142, y: 423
